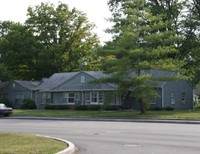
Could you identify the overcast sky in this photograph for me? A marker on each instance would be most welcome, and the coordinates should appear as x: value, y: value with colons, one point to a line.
x: 97, y: 11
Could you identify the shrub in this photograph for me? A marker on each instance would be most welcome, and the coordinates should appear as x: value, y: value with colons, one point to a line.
x: 6, y: 102
x: 94, y: 107
x: 156, y: 108
x: 28, y: 104
x: 81, y: 107
x: 56, y: 107
x: 169, y: 108
x: 111, y: 108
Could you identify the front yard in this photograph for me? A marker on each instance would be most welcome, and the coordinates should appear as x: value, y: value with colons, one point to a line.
x: 14, y: 143
x: 177, y: 114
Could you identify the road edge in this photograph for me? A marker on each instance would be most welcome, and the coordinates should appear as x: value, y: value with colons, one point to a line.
x: 69, y: 150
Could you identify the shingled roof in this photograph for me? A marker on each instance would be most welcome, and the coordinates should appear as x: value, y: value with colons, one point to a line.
x: 59, y: 78
x: 28, y: 84
x: 55, y: 80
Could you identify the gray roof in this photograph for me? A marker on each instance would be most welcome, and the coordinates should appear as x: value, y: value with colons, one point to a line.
x: 59, y: 78
x: 56, y: 80
x: 3, y: 84
x: 28, y: 84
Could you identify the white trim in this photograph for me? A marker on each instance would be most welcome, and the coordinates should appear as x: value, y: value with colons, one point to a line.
x: 97, y: 94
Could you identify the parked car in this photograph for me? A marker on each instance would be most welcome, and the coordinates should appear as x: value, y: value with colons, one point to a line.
x: 5, y: 111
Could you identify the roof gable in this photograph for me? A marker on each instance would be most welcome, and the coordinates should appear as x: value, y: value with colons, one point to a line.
x: 56, y: 80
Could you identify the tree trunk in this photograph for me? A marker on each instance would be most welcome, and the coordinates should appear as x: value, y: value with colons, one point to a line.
x: 142, y: 106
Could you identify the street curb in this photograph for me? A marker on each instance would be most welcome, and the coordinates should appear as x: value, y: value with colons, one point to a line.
x: 69, y: 150
x: 172, y: 121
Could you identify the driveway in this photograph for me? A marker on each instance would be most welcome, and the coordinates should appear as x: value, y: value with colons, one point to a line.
x: 98, y: 137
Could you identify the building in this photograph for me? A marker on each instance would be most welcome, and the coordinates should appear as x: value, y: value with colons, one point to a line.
x: 78, y: 88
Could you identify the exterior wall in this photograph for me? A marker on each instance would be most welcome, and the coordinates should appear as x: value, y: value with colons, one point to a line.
x: 78, y: 90
x: 131, y: 103
x: 84, y: 98
x: 16, y: 94
x: 173, y: 95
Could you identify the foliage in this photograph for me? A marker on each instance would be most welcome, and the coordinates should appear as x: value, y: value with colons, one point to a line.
x: 5, y: 75
x: 53, y: 39
x: 111, y: 108
x: 56, y: 107
x: 81, y: 107
x: 142, y: 42
x: 5, y: 101
x: 28, y: 104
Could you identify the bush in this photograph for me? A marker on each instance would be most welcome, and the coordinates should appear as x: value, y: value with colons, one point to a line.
x: 156, y: 108
x: 169, y: 108
x: 111, y: 108
x: 81, y: 107
x: 28, y: 104
x: 56, y: 107
x: 94, y: 107
x: 6, y: 102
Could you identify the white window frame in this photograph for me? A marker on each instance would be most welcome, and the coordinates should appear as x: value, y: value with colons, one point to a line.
x: 183, y: 97
x: 67, y: 97
x: 82, y: 79
x: 97, y: 97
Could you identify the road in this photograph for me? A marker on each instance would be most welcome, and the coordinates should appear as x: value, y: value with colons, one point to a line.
x: 98, y: 137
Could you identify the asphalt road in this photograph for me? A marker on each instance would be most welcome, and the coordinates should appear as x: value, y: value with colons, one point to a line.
x: 100, y: 137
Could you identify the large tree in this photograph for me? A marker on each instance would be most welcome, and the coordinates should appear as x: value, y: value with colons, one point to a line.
x: 18, y: 50
x: 53, y: 39
x: 142, y: 41
x: 66, y: 37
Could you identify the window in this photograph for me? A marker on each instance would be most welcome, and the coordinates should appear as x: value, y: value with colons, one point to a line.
x: 71, y: 97
x: 87, y: 97
x: 19, y: 98
x: 100, y: 97
x: 46, y: 98
x: 172, y: 95
x: 94, y: 97
x: 183, y: 97
x: 82, y: 79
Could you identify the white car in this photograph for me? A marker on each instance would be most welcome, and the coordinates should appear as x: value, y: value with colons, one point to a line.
x: 6, y: 111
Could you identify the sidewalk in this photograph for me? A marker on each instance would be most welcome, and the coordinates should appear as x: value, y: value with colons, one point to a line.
x: 175, y: 121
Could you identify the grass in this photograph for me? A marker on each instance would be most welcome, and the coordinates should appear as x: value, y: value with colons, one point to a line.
x: 13, y: 143
x: 185, y: 114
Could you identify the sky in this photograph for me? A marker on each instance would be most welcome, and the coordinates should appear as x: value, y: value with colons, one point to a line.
x: 97, y: 12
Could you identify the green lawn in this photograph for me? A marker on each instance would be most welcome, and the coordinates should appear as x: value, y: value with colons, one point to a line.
x: 13, y: 143
x: 186, y: 114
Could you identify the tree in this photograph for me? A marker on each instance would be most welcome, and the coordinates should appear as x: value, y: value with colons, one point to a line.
x: 18, y: 50
x: 53, y: 39
x: 142, y: 41
x: 66, y: 37
x: 5, y: 75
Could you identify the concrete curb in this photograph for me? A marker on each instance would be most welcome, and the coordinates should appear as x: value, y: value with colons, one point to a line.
x: 172, y: 121
x: 69, y: 150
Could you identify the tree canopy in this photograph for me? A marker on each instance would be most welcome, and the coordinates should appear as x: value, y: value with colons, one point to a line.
x: 143, y: 40
x: 53, y: 39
